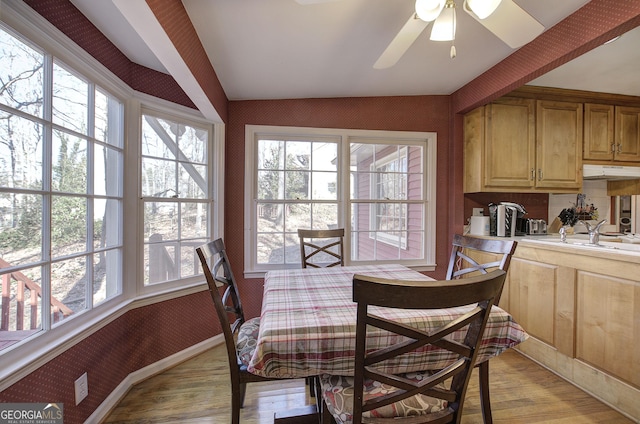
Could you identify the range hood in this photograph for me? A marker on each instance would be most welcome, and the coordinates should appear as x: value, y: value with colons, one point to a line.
x: 610, y: 172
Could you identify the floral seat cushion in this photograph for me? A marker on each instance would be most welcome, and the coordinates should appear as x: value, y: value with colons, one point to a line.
x: 247, y: 339
x: 337, y: 392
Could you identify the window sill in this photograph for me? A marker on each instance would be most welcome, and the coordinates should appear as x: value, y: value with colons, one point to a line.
x: 27, y: 356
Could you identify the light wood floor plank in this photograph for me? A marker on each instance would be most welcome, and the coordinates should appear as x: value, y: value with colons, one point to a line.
x: 197, y: 392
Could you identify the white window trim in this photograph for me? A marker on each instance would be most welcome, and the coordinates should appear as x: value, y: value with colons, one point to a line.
x: 23, y: 358
x: 346, y: 136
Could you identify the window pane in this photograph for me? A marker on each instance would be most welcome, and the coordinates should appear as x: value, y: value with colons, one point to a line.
x: 107, y: 217
x: 69, y: 284
x: 194, y: 219
x: 69, y: 163
x: 21, y: 75
x: 107, y: 275
x: 324, y: 216
x: 160, y: 261
x: 158, y: 137
x: 108, y: 119
x: 297, y: 185
x: 270, y: 154
x: 22, y: 305
x: 324, y: 185
x: 20, y: 228
x: 20, y: 152
x: 107, y: 171
x: 298, y: 216
x: 161, y: 221
x: 298, y: 155
x: 193, y: 181
x: 271, y: 216
x: 158, y: 178
x: 324, y: 156
x: 193, y: 144
x: 189, y: 262
x: 70, y: 100
x: 271, y: 249
x: 68, y: 225
x: 270, y: 185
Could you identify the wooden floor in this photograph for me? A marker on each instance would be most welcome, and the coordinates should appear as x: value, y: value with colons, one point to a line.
x: 197, y: 391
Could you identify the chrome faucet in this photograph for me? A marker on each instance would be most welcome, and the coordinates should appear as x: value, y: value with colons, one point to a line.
x: 594, y: 232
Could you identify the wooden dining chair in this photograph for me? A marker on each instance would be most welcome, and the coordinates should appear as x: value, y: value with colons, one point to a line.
x: 462, y: 264
x: 321, y: 248
x: 240, y: 335
x: 373, y: 395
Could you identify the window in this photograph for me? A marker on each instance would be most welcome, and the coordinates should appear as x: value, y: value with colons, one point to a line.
x: 176, y: 196
x: 378, y: 185
x: 61, y: 167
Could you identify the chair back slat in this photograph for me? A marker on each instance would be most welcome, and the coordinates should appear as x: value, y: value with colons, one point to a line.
x: 371, y: 293
x: 462, y: 265
x: 321, y: 248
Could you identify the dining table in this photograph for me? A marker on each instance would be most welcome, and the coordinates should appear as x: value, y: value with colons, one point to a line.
x: 308, y: 325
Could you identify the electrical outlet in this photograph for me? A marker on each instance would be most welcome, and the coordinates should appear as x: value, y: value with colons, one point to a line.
x: 82, y: 388
x: 478, y: 211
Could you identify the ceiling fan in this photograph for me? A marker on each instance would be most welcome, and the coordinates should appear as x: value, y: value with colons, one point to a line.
x: 504, y: 18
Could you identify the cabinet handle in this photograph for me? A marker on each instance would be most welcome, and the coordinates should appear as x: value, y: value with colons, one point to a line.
x: 539, y: 174
x: 619, y: 147
x: 613, y: 147
x: 533, y: 174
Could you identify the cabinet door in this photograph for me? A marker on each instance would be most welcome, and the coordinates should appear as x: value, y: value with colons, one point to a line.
x: 541, y: 299
x: 627, y: 134
x: 608, y: 324
x: 559, y: 145
x: 598, y: 132
x: 509, y: 153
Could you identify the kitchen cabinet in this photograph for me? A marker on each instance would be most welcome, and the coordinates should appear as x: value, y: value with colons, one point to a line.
x: 611, y: 133
x: 627, y: 134
x: 559, y: 145
x: 598, y: 132
x: 580, y: 307
x: 523, y: 145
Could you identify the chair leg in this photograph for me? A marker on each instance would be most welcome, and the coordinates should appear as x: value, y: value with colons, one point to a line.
x: 485, y: 400
x: 237, y: 397
x: 242, y: 392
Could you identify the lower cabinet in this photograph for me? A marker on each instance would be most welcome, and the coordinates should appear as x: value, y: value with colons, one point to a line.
x: 582, y: 312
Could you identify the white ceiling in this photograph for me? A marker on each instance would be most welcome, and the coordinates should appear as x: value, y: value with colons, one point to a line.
x: 279, y: 49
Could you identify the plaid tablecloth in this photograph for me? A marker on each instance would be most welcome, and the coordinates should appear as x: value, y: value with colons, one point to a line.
x: 308, y: 322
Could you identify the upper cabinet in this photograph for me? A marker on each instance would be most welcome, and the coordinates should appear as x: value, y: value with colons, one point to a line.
x: 611, y: 133
x: 523, y: 145
x: 558, y: 145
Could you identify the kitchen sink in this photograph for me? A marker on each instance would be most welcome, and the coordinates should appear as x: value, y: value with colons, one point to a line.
x: 582, y: 243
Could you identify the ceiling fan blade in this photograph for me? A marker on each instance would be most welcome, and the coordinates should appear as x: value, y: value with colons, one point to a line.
x: 401, y: 43
x: 510, y: 23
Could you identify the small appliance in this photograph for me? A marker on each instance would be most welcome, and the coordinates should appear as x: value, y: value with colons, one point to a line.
x: 506, y: 219
x: 536, y: 226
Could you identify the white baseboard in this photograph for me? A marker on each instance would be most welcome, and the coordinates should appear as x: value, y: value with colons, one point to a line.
x: 150, y: 370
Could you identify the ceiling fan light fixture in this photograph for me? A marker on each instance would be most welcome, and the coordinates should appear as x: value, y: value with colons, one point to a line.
x: 428, y: 10
x: 483, y: 8
x: 444, y: 28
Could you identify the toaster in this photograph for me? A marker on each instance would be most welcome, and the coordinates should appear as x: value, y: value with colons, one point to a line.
x: 536, y: 226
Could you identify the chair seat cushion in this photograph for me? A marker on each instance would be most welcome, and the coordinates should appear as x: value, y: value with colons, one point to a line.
x: 337, y: 392
x: 247, y: 339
